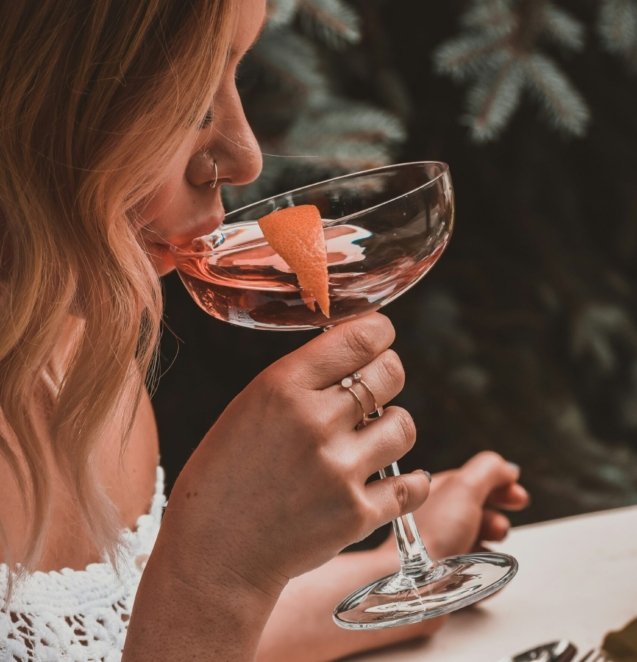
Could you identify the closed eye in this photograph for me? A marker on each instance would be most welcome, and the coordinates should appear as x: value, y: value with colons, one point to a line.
x: 207, y: 119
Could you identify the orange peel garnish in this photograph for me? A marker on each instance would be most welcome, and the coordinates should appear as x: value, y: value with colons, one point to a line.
x: 296, y: 234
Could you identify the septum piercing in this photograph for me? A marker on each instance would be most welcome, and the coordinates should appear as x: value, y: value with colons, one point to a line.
x: 213, y: 183
x: 215, y: 168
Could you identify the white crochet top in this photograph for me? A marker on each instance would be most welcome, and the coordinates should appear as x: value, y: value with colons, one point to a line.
x: 78, y: 615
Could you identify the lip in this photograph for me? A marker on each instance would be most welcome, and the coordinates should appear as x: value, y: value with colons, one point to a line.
x: 183, y: 242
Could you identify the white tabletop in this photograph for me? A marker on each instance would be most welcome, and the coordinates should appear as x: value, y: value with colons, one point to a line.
x: 577, y: 580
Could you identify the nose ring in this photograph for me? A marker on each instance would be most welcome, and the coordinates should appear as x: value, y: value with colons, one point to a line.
x: 211, y: 163
x: 213, y: 183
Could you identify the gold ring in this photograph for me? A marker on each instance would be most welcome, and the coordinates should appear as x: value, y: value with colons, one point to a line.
x: 348, y: 384
x: 358, y: 378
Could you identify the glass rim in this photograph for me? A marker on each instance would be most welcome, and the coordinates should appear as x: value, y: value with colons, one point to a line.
x: 444, y: 170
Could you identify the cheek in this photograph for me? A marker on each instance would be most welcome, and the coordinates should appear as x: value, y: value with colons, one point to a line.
x: 160, y: 202
x: 173, y: 187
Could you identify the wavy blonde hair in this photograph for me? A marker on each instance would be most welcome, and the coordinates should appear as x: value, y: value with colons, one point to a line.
x: 95, y: 98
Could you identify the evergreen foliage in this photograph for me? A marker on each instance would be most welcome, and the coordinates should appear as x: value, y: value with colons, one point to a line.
x: 618, y: 28
x: 499, y: 53
x: 319, y: 130
x: 523, y: 339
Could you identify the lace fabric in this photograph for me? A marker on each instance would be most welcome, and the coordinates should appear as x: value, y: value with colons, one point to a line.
x: 79, y: 615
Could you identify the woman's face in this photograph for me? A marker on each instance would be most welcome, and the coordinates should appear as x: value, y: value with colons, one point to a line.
x: 186, y: 206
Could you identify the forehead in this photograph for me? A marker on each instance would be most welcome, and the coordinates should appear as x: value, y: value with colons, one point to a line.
x: 250, y: 21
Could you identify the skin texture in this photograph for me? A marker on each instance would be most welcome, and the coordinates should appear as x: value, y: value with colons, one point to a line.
x: 186, y: 206
x: 267, y: 501
x: 462, y: 512
x: 278, y: 486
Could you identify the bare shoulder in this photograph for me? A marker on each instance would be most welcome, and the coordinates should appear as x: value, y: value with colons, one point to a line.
x: 128, y: 477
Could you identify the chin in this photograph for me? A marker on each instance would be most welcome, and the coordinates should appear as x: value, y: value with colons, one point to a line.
x: 163, y: 267
x: 164, y: 270
x: 162, y: 259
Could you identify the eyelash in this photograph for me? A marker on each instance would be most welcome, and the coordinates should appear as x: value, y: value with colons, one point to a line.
x: 207, y: 120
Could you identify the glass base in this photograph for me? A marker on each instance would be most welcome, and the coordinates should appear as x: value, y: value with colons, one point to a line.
x: 413, y: 595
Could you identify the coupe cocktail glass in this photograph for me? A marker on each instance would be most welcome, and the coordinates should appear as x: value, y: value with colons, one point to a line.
x: 384, y: 229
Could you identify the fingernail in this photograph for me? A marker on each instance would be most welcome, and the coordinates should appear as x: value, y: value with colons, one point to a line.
x: 427, y: 473
x: 514, y: 466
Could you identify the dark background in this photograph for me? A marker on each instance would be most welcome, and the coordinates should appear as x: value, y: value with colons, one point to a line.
x: 523, y: 339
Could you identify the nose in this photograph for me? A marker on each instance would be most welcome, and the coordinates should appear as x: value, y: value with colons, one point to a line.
x: 233, y: 143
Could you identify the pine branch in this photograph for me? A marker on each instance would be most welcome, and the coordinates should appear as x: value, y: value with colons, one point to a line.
x: 563, y: 29
x: 487, y: 14
x: 467, y: 56
x: 493, y: 99
x: 617, y: 28
x: 291, y: 62
x: 310, y: 130
x: 597, y: 330
x: 347, y: 135
x: 356, y: 121
x: 499, y: 55
x: 331, y: 20
x: 348, y: 138
x: 281, y: 12
x: 564, y: 106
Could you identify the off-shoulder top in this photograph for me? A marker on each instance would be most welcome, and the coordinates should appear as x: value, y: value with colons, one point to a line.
x: 78, y: 615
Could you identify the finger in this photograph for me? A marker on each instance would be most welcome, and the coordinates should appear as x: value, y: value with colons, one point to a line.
x: 509, y: 497
x: 486, y: 472
x: 383, y: 379
x: 329, y: 357
x: 385, y: 440
x: 495, y: 526
x: 394, y: 496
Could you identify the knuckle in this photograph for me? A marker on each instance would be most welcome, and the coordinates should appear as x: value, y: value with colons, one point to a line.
x: 315, y: 432
x: 360, y: 341
x: 401, y: 493
x: 268, y: 387
x: 355, y: 512
x: 406, y: 425
x: 490, y: 457
x: 272, y: 378
x: 387, y: 326
x: 360, y: 518
x: 392, y: 367
x: 296, y: 404
x: 344, y: 465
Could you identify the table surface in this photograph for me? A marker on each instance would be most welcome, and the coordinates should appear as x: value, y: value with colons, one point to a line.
x: 577, y: 580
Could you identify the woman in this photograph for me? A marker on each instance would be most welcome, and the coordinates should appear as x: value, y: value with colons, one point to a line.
x: 119, y: 124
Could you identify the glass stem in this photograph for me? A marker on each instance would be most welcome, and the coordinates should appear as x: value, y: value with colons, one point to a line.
x: 414, y: 558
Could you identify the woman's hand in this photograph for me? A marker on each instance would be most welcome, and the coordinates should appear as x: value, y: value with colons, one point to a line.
x: 278, y: 485
x: 461, y: 512
x: 464, y: 508
x: 276, y: 488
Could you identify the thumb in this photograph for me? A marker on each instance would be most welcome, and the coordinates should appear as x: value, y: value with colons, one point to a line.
x: 394, y: 496
x: 488, y: 471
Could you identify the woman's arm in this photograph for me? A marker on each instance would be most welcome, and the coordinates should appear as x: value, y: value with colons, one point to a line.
x: 206, y: 613
x: 276, y: 488
x: 461, y: 512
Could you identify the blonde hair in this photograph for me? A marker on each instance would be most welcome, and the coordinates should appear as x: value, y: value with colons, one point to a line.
x: 95, y: 99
